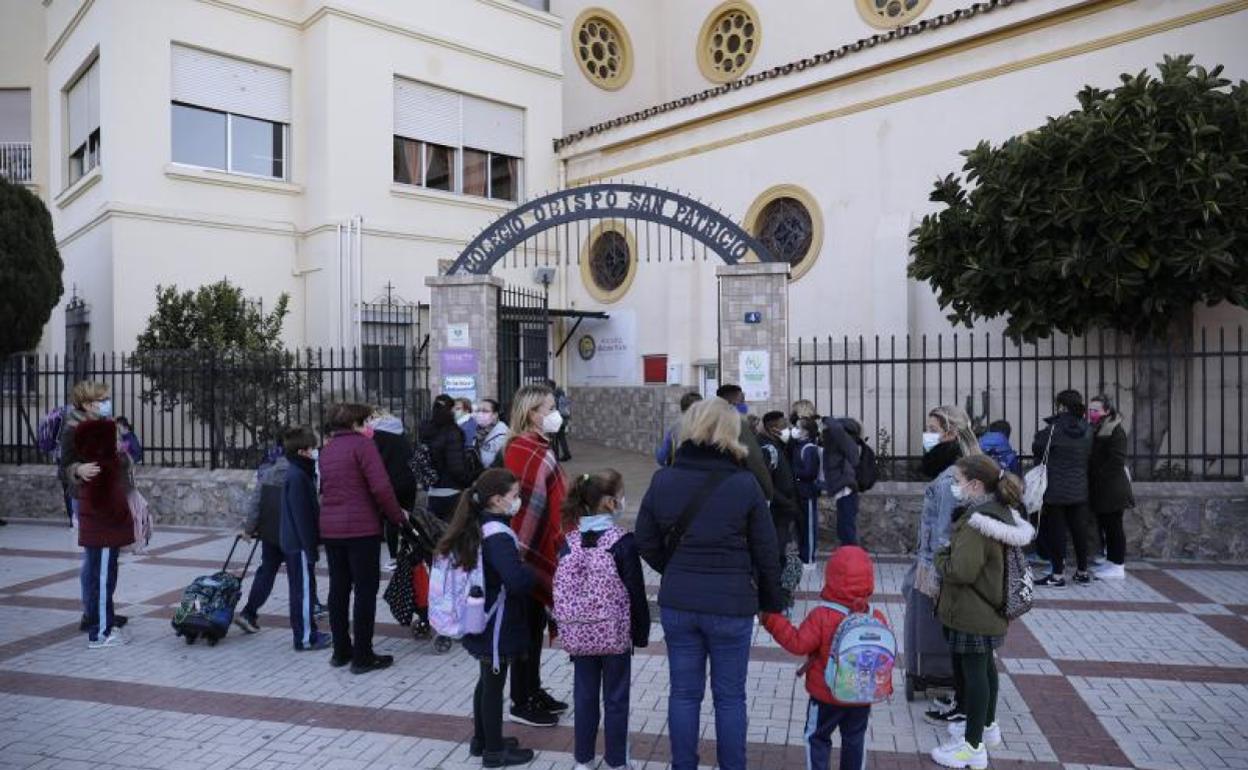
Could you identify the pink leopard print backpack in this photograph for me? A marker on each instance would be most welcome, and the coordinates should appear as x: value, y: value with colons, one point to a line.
x: 591, y: 602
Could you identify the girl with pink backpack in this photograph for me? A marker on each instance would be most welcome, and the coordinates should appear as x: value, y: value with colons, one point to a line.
x: 601, y: 611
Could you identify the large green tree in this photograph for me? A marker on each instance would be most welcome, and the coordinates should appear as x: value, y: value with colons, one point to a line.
x: 220, y: 357
x: 30, y: 268
x: 1122, y: 214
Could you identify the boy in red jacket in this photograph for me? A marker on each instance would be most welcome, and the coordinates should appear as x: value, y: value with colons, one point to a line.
x: 849, y: 580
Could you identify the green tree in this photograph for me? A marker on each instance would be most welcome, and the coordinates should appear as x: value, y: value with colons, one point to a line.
x: 1123, y: 214
x: 220, y: 357
x: 30, y: 268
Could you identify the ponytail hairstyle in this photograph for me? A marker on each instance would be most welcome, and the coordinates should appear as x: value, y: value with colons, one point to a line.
x: 587, y: 494
x: 463, y: 536
x: 955, y: 420
x: 1005, y: 487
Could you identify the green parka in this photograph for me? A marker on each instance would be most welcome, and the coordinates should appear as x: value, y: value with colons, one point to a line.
x: 973, y: 569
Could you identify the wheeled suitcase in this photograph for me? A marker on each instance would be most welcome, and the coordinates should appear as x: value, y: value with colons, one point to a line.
x: 928, y: 662
x: 207, y: 606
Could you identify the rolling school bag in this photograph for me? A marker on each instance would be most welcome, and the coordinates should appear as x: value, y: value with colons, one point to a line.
x: 208, y: 603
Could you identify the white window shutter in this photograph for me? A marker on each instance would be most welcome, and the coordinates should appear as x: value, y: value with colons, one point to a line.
x: 493, y: 126
x: 232, y: 85
x: 427, y: 113
x: 14, y: 114
x: 83, y: 106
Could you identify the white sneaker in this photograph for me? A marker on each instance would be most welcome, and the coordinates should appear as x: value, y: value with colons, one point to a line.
x: 961, y: 754
x: 1110, y: 571
x: 946, y: 703
x: 580, y: 766
x: 113, y: 639
x: 992, y: 733
x: 391, y: 566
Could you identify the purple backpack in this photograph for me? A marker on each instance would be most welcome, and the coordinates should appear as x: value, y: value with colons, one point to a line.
x: 591, y: 602
x: 48, y: 439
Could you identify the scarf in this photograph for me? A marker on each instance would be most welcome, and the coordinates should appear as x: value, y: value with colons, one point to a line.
x: 542, y: 489
x: 599, y: 522
x: 940, y: 457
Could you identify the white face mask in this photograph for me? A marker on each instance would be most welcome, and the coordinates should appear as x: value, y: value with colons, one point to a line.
x: 314, y: 455
x: 930, y: 440
x: 513, y: 507
x: 786, y: 435
x: 959, y: 494
x: 484, y: 419
x: 621, y: 505
x: 552, y: 422
x: 799, y: 434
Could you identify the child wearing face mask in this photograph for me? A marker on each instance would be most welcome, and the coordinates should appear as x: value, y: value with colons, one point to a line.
x: 601, y: 608
x: 481, y: 529
x: 805, y: 459
x: 491, y: 433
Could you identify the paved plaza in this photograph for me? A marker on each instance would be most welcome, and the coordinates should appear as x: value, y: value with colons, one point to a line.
x: 1150, y: 673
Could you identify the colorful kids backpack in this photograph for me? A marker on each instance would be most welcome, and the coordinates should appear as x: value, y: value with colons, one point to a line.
x: 860, y: 660
x: 591, y: 602
x: 49, y: 435
x: 450, y: 588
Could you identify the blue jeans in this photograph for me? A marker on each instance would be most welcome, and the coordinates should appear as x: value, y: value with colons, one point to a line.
x: 847, y: 519
x: 692, y: 637
x: 604, y: 677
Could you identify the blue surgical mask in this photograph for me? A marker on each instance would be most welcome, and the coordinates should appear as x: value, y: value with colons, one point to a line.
x: 106, y: 408
x: 743, y: 408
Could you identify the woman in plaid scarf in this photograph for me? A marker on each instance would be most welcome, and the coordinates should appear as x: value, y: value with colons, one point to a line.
x: 542, y: 488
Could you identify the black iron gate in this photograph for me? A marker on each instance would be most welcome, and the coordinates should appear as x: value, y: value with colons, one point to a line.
x: 523, y: 341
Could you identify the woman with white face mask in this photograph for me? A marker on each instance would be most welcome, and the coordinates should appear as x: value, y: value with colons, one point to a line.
x: 491, y: 431
x: 530, y: 456
x: 947, y: 437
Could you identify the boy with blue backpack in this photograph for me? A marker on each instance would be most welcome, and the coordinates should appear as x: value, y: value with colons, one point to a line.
x: 850, y: 652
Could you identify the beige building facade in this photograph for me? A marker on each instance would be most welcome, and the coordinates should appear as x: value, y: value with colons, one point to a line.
x: 336, y: 151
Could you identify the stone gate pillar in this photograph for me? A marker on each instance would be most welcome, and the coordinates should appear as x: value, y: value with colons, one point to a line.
x: 754, y: 320
x: 463, y: 335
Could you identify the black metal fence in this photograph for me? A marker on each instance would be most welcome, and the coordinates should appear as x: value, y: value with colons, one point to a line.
x: 523, y: 340
x: 890, y: 384
x: 211, y: 410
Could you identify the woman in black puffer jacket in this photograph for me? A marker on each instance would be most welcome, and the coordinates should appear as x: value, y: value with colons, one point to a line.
x: 1110, y: 484
x: 1067, y: 444
x: 446, y: 448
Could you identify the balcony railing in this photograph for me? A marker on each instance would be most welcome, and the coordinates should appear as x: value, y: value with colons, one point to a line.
x: 15, y: 161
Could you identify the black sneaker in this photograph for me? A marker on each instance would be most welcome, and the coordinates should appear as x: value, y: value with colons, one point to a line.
x: 944, y: 716
x: 338, y: 662
x: 1083, y: 578
x: 118, y: 622
x: 319, y: 610
x: 320, y: 641
x: 544, y: 701
x: 533, y: 716
x: 1052, y: 581
x: 507, y: 758
x: 376, y: 664
x: 474, y: 746
x: 246, y: 622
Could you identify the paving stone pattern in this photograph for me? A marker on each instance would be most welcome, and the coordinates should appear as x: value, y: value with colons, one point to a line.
x: 1149, y: 673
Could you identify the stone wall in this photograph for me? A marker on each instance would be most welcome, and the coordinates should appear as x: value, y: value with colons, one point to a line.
x: 632, y: 418
x: 752, y: 287
x: 1202, y: 520
x: 180, y: 496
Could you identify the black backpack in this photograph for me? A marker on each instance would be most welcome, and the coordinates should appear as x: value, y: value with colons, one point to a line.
x: 867, y: 473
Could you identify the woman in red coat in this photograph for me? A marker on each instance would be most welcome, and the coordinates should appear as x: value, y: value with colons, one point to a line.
x: 355, y: 495
x: 98, y: 469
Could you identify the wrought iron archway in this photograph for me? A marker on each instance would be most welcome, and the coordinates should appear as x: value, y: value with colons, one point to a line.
x: 679, y: 213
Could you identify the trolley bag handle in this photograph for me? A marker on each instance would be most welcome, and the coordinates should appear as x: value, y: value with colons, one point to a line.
x: 254, y: 543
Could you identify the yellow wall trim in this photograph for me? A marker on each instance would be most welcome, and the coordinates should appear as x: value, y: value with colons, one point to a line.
x: 1167, y: 25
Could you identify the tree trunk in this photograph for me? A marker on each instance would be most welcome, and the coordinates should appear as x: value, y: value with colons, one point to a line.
x: 1160, y: 366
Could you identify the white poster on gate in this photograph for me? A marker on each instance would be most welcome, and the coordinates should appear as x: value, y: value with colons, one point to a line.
x: 604, y: 352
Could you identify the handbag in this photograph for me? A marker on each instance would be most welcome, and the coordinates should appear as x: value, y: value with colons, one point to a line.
x: 141, y: 515
x: 1036, y: 482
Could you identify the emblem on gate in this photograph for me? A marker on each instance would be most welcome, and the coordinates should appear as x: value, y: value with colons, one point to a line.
x: 587, y: 347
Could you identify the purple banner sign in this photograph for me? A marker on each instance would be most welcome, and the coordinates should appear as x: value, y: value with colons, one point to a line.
x: 459, y: 361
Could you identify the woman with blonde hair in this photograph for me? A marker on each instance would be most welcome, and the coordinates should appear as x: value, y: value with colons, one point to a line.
x: 947, y: 438
x: 529, y: 456
x: 705, y: 525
